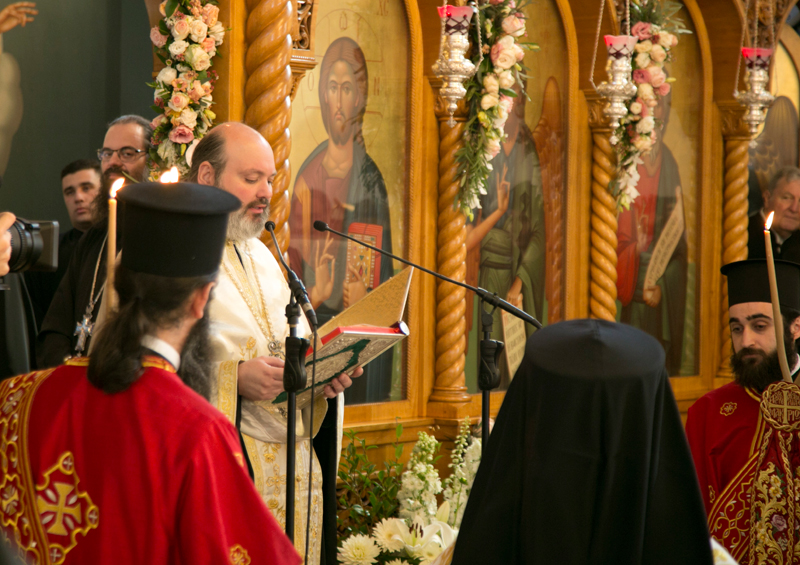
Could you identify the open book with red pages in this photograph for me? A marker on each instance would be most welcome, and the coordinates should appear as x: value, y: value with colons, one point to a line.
x: 358, y: 335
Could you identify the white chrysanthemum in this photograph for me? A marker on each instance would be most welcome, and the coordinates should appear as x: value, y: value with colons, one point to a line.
x: 358, y: 550
x: 389, y: 534
x: 397, y: 562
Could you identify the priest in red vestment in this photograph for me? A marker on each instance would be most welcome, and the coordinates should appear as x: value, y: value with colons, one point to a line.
x: 744, y: 436
x: 120, y: 458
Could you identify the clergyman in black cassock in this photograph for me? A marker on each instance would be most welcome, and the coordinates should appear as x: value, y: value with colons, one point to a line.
x: 588, y: 461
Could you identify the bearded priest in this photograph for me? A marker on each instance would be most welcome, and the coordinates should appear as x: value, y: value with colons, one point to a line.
x: 744, y: 435
x: 120, y: 458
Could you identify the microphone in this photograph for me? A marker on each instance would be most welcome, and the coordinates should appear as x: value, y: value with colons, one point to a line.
x: 485, y: 295
x: 295, y: 284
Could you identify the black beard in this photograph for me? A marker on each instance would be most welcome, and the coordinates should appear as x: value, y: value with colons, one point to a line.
x: 759, y: 374
x: 195, y: 369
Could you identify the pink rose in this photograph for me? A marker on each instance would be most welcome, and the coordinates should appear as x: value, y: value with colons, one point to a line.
x: 657, y: 76
x: 178, y: 102
x: 519, y: 52
x: 503, y: 54
x: 181, y: 134
x: 209, y: 45
x: 514, y: 26
x: 641, y: 76
x: 664, y: 89
x: 181, y: 29
x: 158, y: 39
x: 210, y: 14
x: 506, y: 102
x: 157, y: 121
x: 641, y: 30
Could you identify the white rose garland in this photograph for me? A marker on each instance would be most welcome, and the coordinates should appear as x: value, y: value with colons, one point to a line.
x: 186, y: 41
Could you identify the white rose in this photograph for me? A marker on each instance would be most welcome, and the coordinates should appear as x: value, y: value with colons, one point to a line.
x: 491, y: 84
x: 642, y: 60
x: 188, y: 118
x: 489, y: 101
x: 665, y: 40
x: 503, y: 54
x: 642, y: 144
x: 658, y: 54
x: 644, y: 46
x: 178, y: 48
x: 646, y: 91
x: 645, y: 125
x: 492, y: 149
x: 167, y: 75
x: 184, y: 68
x: 217, y: 32
x: 636, y: 108
x: 198, y: 58
x: 506, y: 79
x: 502, y: 117
x: 198, y: 31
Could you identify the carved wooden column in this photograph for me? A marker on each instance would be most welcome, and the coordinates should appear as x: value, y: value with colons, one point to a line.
x: 449, y: 386
x: 734, y: 209
x: 603, y: 261
x: 269, y: 83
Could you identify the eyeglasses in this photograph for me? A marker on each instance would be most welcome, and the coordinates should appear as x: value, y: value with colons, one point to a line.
x: 126, y: 154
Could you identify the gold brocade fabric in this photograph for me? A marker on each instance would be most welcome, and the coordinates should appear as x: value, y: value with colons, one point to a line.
x: 775, y: 490
x: 247, y: 315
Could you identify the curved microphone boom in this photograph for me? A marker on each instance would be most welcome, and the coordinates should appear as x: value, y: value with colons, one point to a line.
x: 488, y: 297
x: 295, y: 284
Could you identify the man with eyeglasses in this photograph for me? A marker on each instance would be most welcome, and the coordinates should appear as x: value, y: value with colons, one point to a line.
x: 67, y: 327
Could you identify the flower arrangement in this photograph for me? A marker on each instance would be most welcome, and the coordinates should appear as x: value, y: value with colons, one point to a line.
x: 186, y: 41
x: 420, y: 532
x: 656, y: 31
x: 490, y: 93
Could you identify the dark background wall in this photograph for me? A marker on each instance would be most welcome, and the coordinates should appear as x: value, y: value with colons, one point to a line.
x: 82, y: 64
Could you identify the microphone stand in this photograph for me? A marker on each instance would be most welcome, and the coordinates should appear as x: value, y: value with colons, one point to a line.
x: 490, y: 350
x: 294, y: 380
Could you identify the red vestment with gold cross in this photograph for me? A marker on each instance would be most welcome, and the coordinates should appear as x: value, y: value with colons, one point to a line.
x: 746, y: 450
x: 151, y: 475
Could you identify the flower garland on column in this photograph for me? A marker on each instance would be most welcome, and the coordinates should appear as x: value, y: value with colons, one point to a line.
x: 656, y: 31
x: 186, y: 41
x: 490, y: 96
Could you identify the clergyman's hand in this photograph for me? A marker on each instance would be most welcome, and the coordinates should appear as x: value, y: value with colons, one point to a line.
x: 261, y: 378
x: 338, y: 384
x: 7, y: 220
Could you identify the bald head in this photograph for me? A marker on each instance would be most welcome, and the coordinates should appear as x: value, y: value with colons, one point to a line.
x: 237, y: 159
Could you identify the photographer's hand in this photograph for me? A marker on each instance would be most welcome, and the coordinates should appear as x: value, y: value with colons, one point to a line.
x: 7, y: 219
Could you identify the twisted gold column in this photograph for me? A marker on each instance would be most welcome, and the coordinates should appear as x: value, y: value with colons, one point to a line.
x: 603, y: 262
x: 269, y: 83
x: 734, y: 209
x: 451, y: 305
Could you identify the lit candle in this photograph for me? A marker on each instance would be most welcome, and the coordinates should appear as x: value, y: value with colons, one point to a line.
x: 776, y: 308
x: 111, y: 248
x: 170, y: 176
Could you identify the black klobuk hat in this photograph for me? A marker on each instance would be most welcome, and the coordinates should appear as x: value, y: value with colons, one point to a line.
x: 174, y: 230
x: 748, y: 281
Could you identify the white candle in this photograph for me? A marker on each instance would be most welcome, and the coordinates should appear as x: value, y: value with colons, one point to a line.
x: 776, y: 308
x: 111, y: 248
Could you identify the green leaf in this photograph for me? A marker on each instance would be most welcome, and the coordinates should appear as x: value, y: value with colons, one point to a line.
x: 171, y: 6
x: 162, y: 27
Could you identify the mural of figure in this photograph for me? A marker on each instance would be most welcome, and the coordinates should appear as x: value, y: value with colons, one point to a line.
x: 510, y: 226
x: 658, y: 308
x: 13, y: 15
x: 340, y: 184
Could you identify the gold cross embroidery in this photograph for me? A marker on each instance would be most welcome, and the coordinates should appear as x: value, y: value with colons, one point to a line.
x: 785, y: 406
x: 60, y: 506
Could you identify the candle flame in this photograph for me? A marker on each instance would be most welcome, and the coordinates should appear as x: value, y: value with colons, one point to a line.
x: 116, y: 186
x: 769, y: 221
x: 171, y: 176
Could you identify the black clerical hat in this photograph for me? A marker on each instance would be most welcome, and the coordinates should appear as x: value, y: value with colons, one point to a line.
x: 174, y: 230
x: 748, y: 281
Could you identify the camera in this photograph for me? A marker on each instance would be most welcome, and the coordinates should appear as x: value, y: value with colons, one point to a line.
x: 34, y: 246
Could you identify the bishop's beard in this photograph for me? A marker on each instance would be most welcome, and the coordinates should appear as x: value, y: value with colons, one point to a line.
x: 765, y: 369
x: 195, y: 367
x: 242, y: 227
